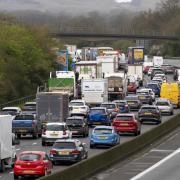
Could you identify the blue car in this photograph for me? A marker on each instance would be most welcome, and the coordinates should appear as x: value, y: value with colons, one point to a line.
x: 98, y: 116
x: 123, y: 106
x: 104, y: 136
x: 155, y: 87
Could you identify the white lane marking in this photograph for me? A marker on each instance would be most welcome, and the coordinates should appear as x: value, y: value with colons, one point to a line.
x: 156, y: 165
x: 11, y: 172
x: 18, y: 149
x: 161, y: 150
x: 34, y: 143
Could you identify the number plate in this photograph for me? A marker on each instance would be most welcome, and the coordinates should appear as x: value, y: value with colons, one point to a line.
x: 63, y: 153
x: 124, y: 124
x: 103, y: 137
x: 22, y: 130
x: 28, y: 171
x: 54, y: 134
x: 147, y: 113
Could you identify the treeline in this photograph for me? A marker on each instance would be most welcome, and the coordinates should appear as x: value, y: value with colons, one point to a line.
x: 25, y: 59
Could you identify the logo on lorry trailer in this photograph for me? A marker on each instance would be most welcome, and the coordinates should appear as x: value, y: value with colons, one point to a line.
x: 138, y: 54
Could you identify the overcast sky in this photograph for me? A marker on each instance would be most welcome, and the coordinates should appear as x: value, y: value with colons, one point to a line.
x: 75, y: 6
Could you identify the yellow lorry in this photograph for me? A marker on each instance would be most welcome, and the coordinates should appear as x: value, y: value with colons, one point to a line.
x: 171, y: 91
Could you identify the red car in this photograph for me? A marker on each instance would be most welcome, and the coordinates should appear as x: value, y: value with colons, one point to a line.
x: 132, y: 87
x: 127, y: 123
x: 32, y: 163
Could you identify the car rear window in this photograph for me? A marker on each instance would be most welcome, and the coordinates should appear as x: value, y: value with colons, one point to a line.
x: 108, y: 106
x: 54, y: 127
x: 97, y: 111
x: 131, y: 98
x: 76, y: 104
x: 64, y: 145
x: 124, y: 118
x: 29, y: 157
x: 74, y: 121
x: 148, y: 109
x: 24, y: 117
x: 162, y: 103
x: 103, y: 131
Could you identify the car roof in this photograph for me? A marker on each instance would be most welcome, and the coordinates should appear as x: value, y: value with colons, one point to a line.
x: 162, y: 99
x: 104, y: 127
x: 56, y: 123
x: 33, y: 152
x: 33, y: 102
x: 77, y: 100
x: 17, y: 108
x: 98, y: 108
x: 108, y: 103
x: 116, y: 101
x: 125, y: 114
x: 148, y: 106
x: 76, y: 117
x: 67, y: 140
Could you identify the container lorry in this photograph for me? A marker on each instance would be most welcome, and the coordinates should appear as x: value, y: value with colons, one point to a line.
x: 94, y: 91
x: 117, y: 86
x: 63, y: 82
x: 135, y: 55
x: 52, y: 106
x: 137, y: 72
x: 7, y: 150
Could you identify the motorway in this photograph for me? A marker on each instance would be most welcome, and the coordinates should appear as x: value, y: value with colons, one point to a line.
x: 161, y: 162
x: 27, y: 143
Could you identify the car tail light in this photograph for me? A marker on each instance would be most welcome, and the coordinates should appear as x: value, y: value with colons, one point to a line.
x: 18, y: 164
x: 75, y: 152
x: 116, y: 110
x: 64, y: 133
x: 53, y: 151
x: 133, y: 123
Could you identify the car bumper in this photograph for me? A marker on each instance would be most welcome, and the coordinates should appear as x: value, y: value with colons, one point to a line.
x: 98, y: 122
x: 23, y: 130
x: 149, y: 119
x: 52, y: 140
x: 74, y: 158
x: 125, y: 129
x: 103, y: 142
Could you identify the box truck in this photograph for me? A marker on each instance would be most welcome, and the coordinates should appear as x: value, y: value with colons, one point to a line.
x: 137, y: 72
x: 52, y: 107
x: 7, y: 150
x: 94, y: 91
x: 158, y: 61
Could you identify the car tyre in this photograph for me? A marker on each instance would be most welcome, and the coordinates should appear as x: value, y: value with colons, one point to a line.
x: 35, y: 135
x: 16, y: 177
x: 159, y: 122
x: 43, y: 143
x: 2, y: 166
x: 91, y: 146
x: 19, y: 136
x: 39, y: 135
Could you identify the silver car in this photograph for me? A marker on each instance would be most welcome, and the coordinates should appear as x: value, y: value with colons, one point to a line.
x: 164, y: 106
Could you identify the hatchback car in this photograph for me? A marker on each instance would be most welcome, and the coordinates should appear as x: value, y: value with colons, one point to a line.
x: 98, y: 116
x: 145, y: 97
x: 78, y: 125
x: 68, y: 150
x: 32, y: 163
x: 149, y: 113
x: 132, y: 87
x: 133, y: 102
x: 55, y: 131
x: 78, y: 107
x: 155, y: 87
x: 164, y: 106
x: 127, y: 123
x: 123, y: 106
x: 104, y: 136
x: 111, y: 107
x: 150, y: 91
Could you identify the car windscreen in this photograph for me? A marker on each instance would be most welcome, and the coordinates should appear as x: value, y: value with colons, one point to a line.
x: 74, y: 121
x: 24, y: 117
x: 124, y: 118
x: 64, y: 145
x: 76, y: 104
x: 108, y: 106
x: 54, y: 127
x: 103, y: 131
x: 97, y: 111
x: 162, y: 103
x: 29, y: 157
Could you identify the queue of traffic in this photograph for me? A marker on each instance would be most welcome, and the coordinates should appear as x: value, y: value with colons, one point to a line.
x: 140, y: 102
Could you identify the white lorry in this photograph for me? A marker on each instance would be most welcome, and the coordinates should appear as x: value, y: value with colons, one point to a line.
x: 94, y: 91
x: 7, y: 140
x: 137, y: 72
x: 158, y: 61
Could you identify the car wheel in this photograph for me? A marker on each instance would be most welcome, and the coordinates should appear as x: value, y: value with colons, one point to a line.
x: 172, y: 113
x: 91, y: 146
x: 35, y: 135
x: 39, y: 135
x: 16, y: 177
x: 54, y: 162
x: 2, y: 166
x: 86, y: 155
x: 43, y: 143
x: 136, y: 133
x: 159, y: 122
x: 18, y: 136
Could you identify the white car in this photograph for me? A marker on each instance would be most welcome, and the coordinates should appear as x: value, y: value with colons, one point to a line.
x: 150, y: 91
x: 164, y: 106
x: 13, y: 111
x: 54, y: 131
x: 78, y: 107
x: 162, y: 76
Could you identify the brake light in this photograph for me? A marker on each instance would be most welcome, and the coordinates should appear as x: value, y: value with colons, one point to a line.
x: 133, y: 123
x: 75, y: 152
x: 53, y: 151
x: 64, y: 133
x: 116, y: 110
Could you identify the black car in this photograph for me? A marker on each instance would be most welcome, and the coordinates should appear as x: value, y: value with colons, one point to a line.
x: 78, y: 125
x: 149, y: 113
x: 133, y: 102
x: 68, y: 150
